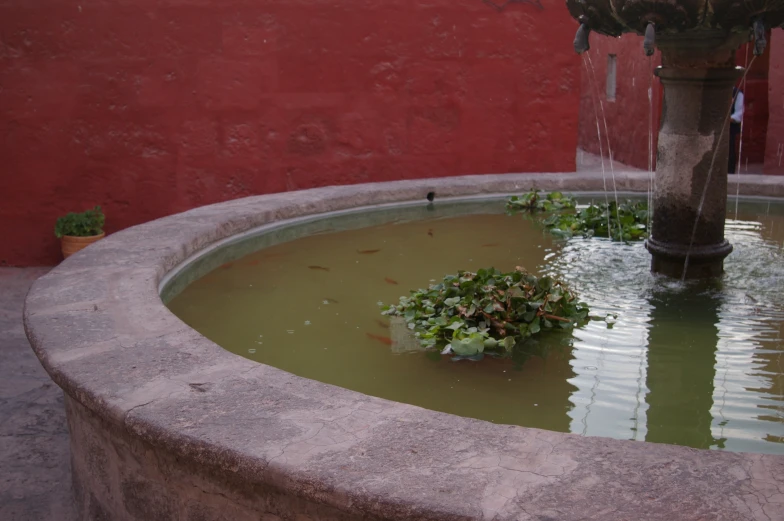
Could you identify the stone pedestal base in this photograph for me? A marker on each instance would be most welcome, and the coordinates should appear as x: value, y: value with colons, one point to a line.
x: 704, y: 261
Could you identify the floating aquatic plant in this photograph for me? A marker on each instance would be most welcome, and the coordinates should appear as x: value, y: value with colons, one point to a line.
x: 487, y: 312
x: 534, y: 202
x: 621, y: 222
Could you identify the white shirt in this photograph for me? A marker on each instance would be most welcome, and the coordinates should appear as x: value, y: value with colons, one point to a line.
x: 737, y: 110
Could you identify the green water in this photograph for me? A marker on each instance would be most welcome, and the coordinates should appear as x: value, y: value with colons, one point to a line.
x: 696, y: 364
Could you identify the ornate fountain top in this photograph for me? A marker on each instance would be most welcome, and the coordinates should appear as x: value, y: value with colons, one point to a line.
x: 671, y: 18
x: 614, y: 17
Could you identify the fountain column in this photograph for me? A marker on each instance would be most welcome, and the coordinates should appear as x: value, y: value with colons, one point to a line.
x: 698, y: 74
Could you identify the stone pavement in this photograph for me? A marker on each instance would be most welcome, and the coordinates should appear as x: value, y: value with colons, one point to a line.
x: 588, y: 162
x: 35, y: 475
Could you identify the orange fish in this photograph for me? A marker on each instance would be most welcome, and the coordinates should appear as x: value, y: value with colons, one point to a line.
x: 227, y: 265
x: 322, y: 268
x: 254, y: 262
x: 389, y: 281
x: 366, y: 252
x: 383, y: 339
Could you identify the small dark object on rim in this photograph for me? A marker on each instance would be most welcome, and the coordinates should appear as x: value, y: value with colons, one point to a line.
x: 431, y: 196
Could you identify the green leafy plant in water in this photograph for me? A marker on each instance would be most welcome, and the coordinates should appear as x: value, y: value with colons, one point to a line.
x: 620, y: 222
x: 488, y: 312
x: 84, y: 224
x: 534, y: 202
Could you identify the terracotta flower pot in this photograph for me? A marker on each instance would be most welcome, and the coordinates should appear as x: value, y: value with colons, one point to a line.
x: 71, y: 244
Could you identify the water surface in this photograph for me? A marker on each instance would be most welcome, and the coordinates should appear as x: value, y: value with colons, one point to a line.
x: 693, y: 364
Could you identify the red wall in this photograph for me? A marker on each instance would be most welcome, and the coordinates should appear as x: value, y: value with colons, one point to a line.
x: 755, y: 117
x: 153, y: 107
x: 774, y: 151
x: 627, y: 117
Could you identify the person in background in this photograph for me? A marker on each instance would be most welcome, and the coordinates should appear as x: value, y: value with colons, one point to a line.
x: 735, y: 118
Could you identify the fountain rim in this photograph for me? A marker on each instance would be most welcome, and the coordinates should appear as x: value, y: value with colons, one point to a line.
x: 100, y: 329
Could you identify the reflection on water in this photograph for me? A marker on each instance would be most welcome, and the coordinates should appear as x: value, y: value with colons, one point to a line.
x: 682, y: 344
x: 697, y: 364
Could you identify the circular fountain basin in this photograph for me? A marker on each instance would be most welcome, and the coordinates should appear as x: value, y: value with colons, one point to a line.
x: 696, y: 363
x: 165, y: 424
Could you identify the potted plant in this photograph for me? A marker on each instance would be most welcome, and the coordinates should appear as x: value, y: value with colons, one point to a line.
x: 78, y: 230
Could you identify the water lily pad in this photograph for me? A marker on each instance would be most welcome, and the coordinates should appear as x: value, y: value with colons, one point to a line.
x: 468, y: 346
x: 491, y: 315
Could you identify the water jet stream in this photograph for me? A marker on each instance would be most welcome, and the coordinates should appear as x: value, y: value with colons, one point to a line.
x: 592, y: 81
x: 609, y: 149
x: 740, y: 138
x: 651, y: 173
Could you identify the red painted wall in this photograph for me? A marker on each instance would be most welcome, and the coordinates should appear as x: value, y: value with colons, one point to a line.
x: 153, y: 107
x: 755, y: 117
x: 628, y: 115
x: 774, y: 151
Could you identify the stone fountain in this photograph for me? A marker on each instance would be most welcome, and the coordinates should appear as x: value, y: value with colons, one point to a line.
x: 698, y: 40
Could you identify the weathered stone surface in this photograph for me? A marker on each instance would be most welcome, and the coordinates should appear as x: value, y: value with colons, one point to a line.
x: 34, y: 460
x: 165, y: 421
x: 690, y: 201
